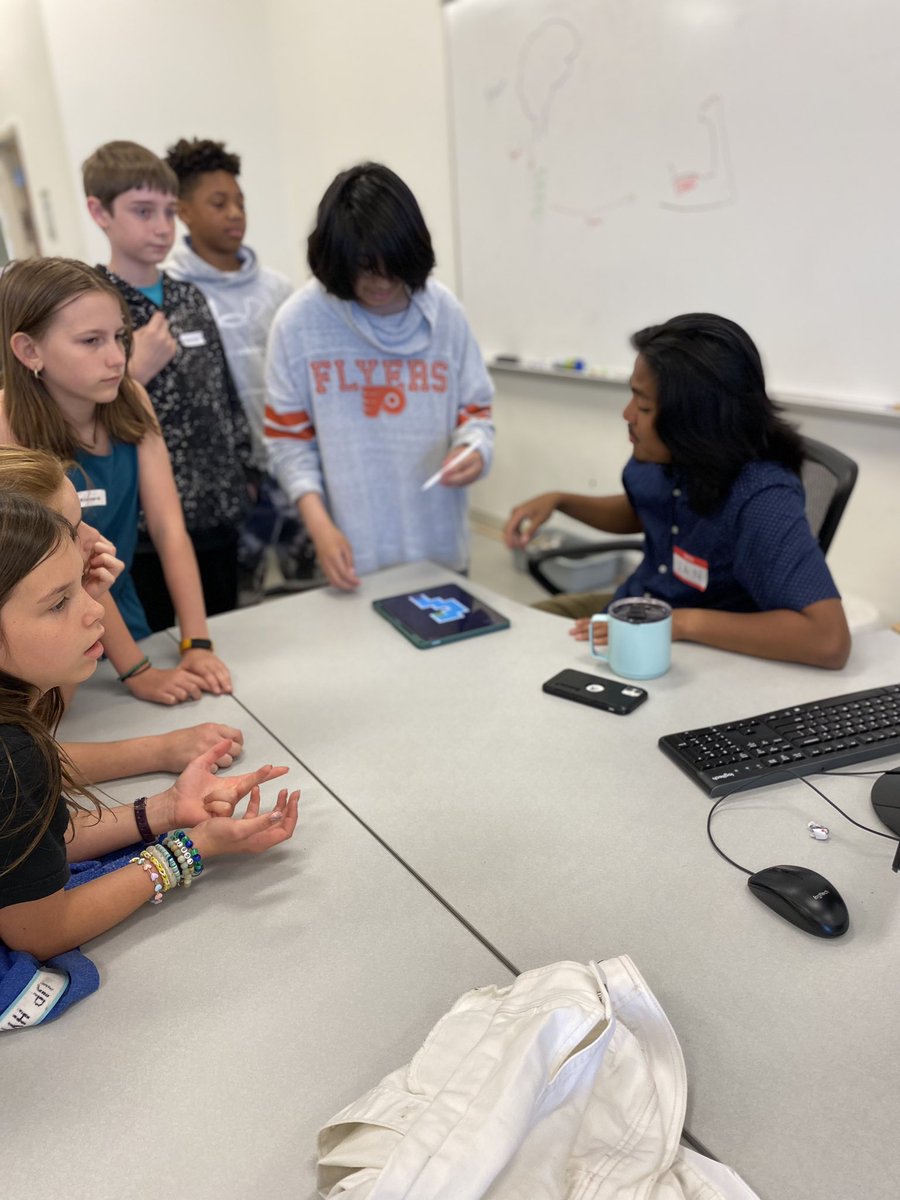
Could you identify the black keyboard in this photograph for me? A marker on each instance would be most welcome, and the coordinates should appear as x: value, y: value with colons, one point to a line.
x: 795, y: 741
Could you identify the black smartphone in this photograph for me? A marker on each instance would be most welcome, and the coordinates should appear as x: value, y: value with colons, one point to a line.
x: 613, y: 695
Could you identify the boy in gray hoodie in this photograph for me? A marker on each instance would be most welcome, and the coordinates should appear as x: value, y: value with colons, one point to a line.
x: 243, y: 297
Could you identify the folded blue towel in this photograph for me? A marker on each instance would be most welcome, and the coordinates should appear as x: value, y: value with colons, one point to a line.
x: 33, y: 992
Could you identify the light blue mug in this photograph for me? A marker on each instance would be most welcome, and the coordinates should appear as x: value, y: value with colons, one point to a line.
x: 639, y: 644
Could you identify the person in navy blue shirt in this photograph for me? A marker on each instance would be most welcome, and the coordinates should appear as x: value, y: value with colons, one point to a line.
x: 714, y: 486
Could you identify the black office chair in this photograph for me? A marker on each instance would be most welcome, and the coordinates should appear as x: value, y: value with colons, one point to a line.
x: 828, y: 480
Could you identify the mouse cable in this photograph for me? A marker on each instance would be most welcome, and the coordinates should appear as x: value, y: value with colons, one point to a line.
x: 715, y: 845
x: 895, y: 865
x: 853, y: 774
x: 891, y: 837
x: 868, y: 829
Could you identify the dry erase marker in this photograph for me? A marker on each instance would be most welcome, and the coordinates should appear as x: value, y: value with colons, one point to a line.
x: 464, y: 453
x: 571, y: 364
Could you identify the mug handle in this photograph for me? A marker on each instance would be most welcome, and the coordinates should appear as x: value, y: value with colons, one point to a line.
x: 604, y: 617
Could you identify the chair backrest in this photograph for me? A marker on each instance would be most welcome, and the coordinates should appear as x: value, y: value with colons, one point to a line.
x: 828, y: 479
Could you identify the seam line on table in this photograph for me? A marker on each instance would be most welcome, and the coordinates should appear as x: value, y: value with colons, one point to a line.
x: 492, y: 949
x: 695, y: 1143
x: 488, y: 945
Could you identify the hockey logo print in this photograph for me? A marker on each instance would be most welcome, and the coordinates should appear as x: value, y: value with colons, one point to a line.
x: 383, y: 399
x: 384, y: 385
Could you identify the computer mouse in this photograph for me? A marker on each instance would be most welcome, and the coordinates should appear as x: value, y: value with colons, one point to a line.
x: 886, y: 799
x: 803, y: 897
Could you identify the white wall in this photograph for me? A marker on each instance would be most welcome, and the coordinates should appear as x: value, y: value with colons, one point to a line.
x: 154, y: 73
x: 364, y: 79
x: 302, y: 88
x: 28, y: 105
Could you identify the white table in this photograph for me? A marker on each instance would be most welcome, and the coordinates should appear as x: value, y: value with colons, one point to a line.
x: 233, y: 1021
x: 561, y: 832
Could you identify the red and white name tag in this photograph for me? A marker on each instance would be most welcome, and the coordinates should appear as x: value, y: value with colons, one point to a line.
x: 689, y: 569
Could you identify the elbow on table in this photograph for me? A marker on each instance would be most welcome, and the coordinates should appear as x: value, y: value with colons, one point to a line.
x: 832, y: 640
x: 834, y: 651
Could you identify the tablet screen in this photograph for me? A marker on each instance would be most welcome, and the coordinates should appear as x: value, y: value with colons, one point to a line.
x: 440, y: 614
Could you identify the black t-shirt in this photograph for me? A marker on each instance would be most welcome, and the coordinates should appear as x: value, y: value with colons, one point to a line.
x: 24, y: 781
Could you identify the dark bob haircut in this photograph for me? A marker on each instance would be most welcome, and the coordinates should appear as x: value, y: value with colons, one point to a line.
x: 713, y: 415
x: 369, y: 220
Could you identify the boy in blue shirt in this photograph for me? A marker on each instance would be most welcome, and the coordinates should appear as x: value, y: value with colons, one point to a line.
x: 714, y: 486
x: 178, y: 356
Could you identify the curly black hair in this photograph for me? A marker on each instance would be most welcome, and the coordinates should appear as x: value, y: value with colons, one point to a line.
x: 191, y: 159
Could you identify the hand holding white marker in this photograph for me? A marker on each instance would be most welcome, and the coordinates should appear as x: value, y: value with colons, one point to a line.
x: 475, y: 444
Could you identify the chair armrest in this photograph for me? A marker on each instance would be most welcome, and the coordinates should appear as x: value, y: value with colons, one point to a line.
x: 607, y: 547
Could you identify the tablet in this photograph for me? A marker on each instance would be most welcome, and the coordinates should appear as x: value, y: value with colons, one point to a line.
x: 437, y: 615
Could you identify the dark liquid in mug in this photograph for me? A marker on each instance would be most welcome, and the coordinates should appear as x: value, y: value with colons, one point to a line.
x: 639, y: 612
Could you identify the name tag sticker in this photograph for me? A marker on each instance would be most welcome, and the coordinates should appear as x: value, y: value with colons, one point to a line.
x: 192, y: 338
x: 689, y: 569
x: 94, y: 498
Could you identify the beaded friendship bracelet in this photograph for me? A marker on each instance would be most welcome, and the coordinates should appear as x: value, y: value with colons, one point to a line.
x: 138, y: 669
x: 171, y: 861
x: 186, y: 854
x: 159, y: 889
x: 166, y: 865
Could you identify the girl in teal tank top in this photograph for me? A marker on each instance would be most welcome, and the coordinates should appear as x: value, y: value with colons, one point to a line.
x: 107, y: 487
x: 66, y: 335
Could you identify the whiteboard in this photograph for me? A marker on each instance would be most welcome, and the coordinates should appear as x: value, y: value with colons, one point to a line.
x: 622, y: 161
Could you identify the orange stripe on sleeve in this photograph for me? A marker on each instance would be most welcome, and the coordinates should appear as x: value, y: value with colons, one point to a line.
x: 301, y: 435
x: 291, y: 418
x: 473, y: 412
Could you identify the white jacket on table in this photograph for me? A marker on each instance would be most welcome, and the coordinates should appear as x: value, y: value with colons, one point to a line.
x: 363, y: 409
x: 569, y: 1084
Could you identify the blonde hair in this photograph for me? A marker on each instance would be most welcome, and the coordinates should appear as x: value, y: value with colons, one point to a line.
x: 117, y: 167
x: 31, y: 293
x: 32, y: 473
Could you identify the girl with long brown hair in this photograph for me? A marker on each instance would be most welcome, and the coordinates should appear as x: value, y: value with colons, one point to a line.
x: 64, y: 343
x: 39, y: 475
x: 50, y: 631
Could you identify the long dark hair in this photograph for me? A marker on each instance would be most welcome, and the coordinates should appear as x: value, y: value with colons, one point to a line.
x: 29, y: 533
x: 713, y: 413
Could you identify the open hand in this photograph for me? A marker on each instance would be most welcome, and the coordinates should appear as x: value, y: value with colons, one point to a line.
x: 251, y: 833
x: 199, y: 793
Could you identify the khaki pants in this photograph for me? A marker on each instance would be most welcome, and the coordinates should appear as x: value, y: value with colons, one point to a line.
x: 575, y: 604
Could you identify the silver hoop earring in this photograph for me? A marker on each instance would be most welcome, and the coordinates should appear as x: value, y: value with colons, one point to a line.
x: 36, y: 372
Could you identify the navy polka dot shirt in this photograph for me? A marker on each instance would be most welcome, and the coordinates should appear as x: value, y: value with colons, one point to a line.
x: 756, y: 554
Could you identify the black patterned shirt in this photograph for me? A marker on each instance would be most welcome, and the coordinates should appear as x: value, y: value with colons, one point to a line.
x: 198, y: 408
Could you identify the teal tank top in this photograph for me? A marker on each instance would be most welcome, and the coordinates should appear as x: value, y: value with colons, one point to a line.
x: 108, y: 488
